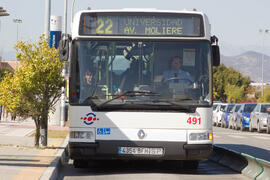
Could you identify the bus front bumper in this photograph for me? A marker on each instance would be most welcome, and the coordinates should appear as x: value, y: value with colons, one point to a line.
x: 106, y: 150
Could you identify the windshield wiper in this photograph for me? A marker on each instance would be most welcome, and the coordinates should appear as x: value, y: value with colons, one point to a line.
x: 163, y: 101
x: 130, y: 94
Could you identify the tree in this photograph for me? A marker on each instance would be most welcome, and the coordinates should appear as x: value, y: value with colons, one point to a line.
x: 266, y: 95
x: 234, y: 93
x: 229, y: 83
x: 35, y: 86
x: 3, y: 72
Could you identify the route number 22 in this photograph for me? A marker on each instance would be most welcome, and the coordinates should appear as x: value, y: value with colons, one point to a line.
x: 104, y: 27
x: 194, y: 120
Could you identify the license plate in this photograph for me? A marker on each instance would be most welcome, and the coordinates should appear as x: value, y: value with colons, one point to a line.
x: 140, y: 151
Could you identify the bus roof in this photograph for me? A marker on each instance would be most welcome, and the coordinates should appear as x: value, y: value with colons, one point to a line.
x: 76, y: 20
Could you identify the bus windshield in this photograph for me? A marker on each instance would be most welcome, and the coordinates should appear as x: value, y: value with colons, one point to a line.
x: 140, y: 74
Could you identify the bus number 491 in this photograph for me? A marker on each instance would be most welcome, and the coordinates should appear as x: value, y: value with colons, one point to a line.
x: 194, y: 120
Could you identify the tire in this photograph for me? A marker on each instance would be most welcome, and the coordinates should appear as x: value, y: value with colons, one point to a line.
x: 241, y: 126
x: 236, y: 126
x: 214, y: 124
x: 259, y: 128
x: 250, y: 127
x: 268, y: 129
x: 230, y: 126
x: 191, y: 165
x: 78, y: 163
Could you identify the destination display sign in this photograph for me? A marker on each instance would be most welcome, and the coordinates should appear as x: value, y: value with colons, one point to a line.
x: 139, y: 24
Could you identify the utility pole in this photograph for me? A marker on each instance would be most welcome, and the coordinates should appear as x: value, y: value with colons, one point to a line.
x: 47, y: 18
x: 263, y: 31
x: 44, y: 124
x: 3, y: 12
x: 63, y: 90
x: 17, y: 22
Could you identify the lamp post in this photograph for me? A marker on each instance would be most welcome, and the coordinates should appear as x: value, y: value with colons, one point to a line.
x: 263, y: 31
x: 17, y: 21
x: 3, y: 12
x: 47, y: 18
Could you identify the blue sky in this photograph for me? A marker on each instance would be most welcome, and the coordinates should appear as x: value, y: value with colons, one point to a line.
x: 235, y: 22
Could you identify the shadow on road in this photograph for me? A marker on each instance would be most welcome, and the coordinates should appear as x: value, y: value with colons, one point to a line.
x: 144, y: 167
x: 250, y: 150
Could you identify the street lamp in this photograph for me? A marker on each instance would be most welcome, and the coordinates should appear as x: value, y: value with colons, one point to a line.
x: 17, y: 21
x: 263, y: 31
x: 3, y: 12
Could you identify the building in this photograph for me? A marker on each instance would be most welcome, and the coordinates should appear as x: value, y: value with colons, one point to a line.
x: 8, y: 64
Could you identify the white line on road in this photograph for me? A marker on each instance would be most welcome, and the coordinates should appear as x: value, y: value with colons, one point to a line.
x: 261, y: 137
x: 238, y: 137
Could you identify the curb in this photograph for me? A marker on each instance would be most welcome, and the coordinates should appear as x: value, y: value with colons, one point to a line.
x: 250, y: 166
x: 61, y: 157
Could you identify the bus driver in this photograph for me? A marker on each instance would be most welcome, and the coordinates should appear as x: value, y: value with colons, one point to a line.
x: 176, y: 75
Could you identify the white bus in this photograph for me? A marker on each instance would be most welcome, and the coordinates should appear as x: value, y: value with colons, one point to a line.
x: 124, y: 104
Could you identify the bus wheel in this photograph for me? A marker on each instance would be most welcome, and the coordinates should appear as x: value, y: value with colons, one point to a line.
x: 78, y: 163
x: 191, y: 165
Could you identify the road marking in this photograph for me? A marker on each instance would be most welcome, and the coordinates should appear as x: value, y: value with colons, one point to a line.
x: 254, y: 134
x: 261, y: 137
x: 238, y: 137
x: 19, y: 132
x: 4, y: 130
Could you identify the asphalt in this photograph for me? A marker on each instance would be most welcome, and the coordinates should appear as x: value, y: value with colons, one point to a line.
x: 19, y: 159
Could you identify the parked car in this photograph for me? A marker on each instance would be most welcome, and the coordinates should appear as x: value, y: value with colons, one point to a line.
x: 217, y: 113
x: 243, y: 116
x: 232, y: 116
x: 259, y: 117
x: 225, y: 115
x: 268, y: 125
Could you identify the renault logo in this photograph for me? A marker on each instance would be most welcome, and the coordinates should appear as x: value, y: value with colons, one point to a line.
x: 141, y: 134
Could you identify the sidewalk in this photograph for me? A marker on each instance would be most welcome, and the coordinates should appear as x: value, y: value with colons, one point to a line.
x: 19, y: 159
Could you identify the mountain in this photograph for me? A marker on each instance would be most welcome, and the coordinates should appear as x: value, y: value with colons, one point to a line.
x: 249, y: 64
x: 228, y: 49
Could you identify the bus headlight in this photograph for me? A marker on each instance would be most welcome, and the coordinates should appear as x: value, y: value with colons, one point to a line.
x: 200, y: 136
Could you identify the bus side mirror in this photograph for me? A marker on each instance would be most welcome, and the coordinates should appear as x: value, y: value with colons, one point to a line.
x: 64, y: 49
x: 215, y: 55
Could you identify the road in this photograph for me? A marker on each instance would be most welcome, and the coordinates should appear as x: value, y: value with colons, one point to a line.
x: 252, y: 143
x: 255, y: 144
x: 149, y: 170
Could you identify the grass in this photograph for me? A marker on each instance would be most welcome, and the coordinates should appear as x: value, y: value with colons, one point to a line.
x: 55, y: 134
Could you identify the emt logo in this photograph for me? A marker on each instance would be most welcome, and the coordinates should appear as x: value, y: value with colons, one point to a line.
x: 89, y: 118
